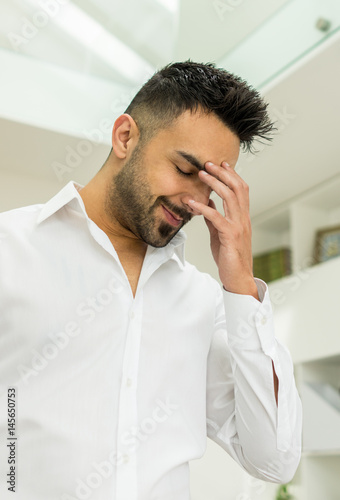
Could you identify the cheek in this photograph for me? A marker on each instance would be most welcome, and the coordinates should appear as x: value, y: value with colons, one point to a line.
x: 166, y: 184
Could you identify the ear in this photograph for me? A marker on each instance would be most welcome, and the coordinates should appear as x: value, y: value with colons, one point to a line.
x: 125, y: 135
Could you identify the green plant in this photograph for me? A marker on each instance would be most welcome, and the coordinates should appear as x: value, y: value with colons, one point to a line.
x: 283, y: 493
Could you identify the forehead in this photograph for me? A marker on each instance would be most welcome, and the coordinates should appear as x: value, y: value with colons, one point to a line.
x: 202, y: 135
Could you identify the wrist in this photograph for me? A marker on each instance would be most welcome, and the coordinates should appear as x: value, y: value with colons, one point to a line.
x: 248, y: 288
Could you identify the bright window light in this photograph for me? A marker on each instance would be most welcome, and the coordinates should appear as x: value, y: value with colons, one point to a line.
x: 170, y: 5
x: 83, y: 28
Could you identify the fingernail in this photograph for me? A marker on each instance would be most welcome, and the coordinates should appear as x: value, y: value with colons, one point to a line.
x: 225, y: 164
x: 192, y: 201
x: 209, y: 163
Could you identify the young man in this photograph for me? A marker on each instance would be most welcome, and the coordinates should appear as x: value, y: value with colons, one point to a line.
x: 124, y: 357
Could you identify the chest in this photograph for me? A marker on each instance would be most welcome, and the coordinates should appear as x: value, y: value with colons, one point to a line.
x: 132, y: 266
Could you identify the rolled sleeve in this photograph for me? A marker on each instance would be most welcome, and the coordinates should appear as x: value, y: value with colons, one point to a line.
x: 263, y: 437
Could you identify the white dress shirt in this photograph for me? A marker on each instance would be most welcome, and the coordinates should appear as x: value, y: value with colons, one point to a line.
x: 115, y: 394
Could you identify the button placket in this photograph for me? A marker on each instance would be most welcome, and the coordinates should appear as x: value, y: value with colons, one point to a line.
x: 128, y: 412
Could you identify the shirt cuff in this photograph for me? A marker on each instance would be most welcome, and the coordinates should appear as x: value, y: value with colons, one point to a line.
x: 250, y: 322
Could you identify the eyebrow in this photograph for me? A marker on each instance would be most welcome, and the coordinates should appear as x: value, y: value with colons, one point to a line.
x: 191, y: 159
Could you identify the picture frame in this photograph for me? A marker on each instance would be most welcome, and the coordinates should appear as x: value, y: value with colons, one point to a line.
x: 327, y: 244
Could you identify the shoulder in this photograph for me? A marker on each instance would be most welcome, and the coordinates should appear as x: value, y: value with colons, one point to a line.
x: 192, y: 274
x: 19, y: 220
x: 204, y: 279
x: 16, y: 214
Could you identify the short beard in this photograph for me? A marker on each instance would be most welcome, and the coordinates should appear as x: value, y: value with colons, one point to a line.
x: 130, y: 202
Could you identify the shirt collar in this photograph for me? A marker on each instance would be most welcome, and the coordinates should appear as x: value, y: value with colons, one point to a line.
x: 69, y: 195
x: 176, y: 247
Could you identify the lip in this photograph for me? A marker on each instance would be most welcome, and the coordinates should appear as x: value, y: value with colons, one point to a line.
x: 171, y: 218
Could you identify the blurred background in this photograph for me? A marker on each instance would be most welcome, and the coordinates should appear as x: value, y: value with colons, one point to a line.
x: 69, y: 68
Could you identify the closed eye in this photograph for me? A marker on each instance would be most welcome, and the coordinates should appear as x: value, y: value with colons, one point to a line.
x: 183, y: 173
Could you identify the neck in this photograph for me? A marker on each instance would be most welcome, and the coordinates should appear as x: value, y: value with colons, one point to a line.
x: 94, y: 195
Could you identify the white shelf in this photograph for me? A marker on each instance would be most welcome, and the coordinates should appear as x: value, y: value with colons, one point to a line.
x: 295, y: 223
x: 321, y: 422
x: 307, y: 320
x: 322, y: 453
x: 307, y: 312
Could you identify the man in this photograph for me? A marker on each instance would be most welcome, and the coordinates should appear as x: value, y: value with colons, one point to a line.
x: 123, y: 356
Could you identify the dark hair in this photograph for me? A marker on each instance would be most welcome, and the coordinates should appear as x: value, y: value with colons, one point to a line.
x: 194, y: 86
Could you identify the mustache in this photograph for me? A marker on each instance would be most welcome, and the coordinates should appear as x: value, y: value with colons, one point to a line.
x: 179, y: 211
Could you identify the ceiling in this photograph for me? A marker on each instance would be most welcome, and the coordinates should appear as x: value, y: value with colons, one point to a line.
x: 305, y: 104
x: 125, y: 41
x: 69, y: 68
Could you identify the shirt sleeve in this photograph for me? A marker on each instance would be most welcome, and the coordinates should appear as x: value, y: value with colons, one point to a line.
x: 242, y: 415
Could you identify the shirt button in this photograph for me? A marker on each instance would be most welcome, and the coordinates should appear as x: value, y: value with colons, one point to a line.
x: 263, y: 320
x: 129, y: 382
x: 132, y: 314
x: 126, y: 458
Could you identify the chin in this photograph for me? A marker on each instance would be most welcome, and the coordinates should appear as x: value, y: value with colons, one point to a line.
x: 161, y: 240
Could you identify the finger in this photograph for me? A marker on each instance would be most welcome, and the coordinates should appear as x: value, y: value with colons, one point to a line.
x: 211, y: 204
x: 219, y: 187
x: 227, y: 175
x: 239, y: 186
x: 230, y: 202
x: 210, y: 214
x: 211, y: 227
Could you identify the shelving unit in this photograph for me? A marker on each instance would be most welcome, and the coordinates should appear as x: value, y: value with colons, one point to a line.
x: 320, y: 391
x: 307, y: 320
x: 294, y: 223
x: 321, y: 477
